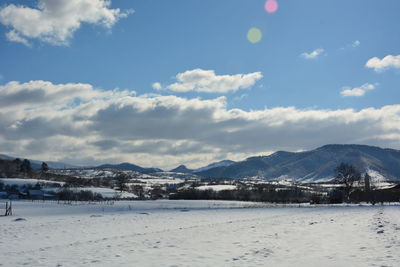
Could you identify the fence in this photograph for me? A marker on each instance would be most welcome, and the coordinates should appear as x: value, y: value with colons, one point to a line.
x: 8, y: 209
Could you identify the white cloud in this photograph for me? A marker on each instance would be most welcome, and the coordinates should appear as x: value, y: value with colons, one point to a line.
x: 156, y: 86
x: 385, y: 63
x: 313, y: 54
x: 357, y: 91
x: 82, y: 124
x: 355, y: 43
x: 38, y: 93
x: 13, y: 36
x: 54, y: 21
x: 207, y: 81
x: 240, y: 97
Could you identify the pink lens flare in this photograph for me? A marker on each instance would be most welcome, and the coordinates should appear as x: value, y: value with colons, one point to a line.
x: 271, y: 6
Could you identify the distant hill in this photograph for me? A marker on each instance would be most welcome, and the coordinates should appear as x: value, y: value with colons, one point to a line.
x: 128, y: 167
x: 314, y: 165
x: 181, y: 169
x: 37, y: 164
x: 222, y: 163
x: 184, y: 169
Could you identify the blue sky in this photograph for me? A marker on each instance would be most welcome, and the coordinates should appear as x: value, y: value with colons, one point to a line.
x: 156, y: 40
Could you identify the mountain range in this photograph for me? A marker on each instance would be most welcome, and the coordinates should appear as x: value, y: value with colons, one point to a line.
x: 128, y: 167
x: 313, y: 166
x: 184, y: 169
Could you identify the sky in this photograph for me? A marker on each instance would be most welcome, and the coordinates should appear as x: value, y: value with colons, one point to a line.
x: 163, y: 83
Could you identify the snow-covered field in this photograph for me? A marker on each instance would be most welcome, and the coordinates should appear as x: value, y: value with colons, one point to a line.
x: 198, y: 233
x: 25, y: 181
x: 107, y: 192
x: 218, y: 187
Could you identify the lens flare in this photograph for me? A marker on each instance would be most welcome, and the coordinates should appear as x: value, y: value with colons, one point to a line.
x: 254, y: 35
x: 271, y: 6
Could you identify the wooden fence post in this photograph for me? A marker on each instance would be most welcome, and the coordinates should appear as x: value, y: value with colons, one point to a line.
x: 8, y: 209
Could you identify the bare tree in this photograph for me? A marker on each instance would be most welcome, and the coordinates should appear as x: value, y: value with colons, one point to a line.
x: 121, y: 181
x: 347, y: 175
x: 138, y: 190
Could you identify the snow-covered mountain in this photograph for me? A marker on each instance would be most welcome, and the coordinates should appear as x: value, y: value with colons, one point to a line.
x: 314, y: 165
x: 184, y: 169
x: 222, y: 163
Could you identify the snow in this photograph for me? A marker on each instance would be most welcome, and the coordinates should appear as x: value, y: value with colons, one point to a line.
x: 160, y: 177
x: 198, y: 233
x: 92, y: 173
x: 218, y: 187
x: 376, y: 177
x: 107, y: 192
x: 159, y: 181
x: 22, y: 181
x: 378, y: 180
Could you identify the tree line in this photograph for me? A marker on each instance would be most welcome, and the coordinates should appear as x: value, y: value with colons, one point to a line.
x: 348, y: 190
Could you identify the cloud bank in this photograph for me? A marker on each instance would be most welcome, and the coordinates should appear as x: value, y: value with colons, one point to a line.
x: 55, y: 22
x: 81, y: 124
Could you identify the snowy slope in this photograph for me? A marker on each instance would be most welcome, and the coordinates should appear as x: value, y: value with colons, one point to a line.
x: 222, y: 163
x: 218, y: 187
x: 22, y: 181
x: 189, y: 233
x: 314, y: 165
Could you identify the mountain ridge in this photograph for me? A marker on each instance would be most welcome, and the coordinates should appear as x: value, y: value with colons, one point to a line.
x: 313, y: 165
x: 128, y: 167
